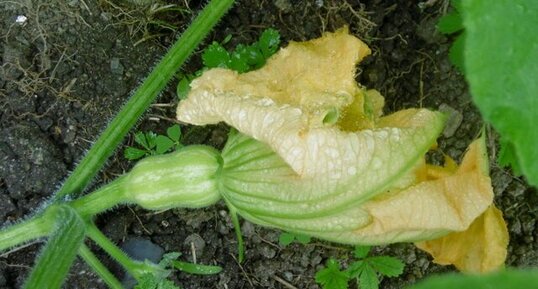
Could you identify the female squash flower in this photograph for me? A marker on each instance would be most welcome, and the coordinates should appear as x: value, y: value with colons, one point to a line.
x: 314, y: 155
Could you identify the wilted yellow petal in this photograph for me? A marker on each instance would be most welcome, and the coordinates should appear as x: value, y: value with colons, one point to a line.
x: 428, y: 209
x: 294, y: 104
x: 481, y: 248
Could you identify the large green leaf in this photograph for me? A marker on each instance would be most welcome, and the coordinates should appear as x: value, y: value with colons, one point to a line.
x: 501, y: 64
x: 501, y: 280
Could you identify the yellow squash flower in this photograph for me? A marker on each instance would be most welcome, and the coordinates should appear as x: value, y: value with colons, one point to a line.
x: 314, y: 155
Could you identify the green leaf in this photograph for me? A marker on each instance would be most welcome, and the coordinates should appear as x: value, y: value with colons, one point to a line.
x: 386, y: 265
x: 507, y: 156
x: 168, y: 258
x: 368, y: 278
x: 174, y: 132
x: 254, y: 57
x: 510, y: 279
x: 163, y: 144
x: 361, y: 251
x: 286, y: 238
x: 355, y: 269
x: 215, y: 56
x: 132, y: 153
x: 331, y: 277
x: 196, y: 268
x: 238, y: 59
x: 227, y: 39
x: 450, y: 23
x: 501, y: 65
x: 269, y: 42
x: 140, y: 138
x: 148, y: 281
x: 151, y: 139
x: 183, y: 88
x: 456, y: 52
x: 303, y: 239
x: 456, y: 4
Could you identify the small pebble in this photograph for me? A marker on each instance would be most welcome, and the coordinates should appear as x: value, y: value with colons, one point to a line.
x: 454, y: 119
x: 115, y: 66
x: 268, y: 252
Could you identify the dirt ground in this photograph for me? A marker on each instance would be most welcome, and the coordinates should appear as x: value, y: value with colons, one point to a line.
x: 67, y: 66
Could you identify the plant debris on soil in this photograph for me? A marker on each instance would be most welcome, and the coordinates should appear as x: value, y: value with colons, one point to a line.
x: 67, y: 67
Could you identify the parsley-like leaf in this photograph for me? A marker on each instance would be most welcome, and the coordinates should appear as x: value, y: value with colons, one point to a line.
x: 303, y: 239
x: 132, y: 154
x: 148, y: 281
x: 331, y: 277
x: 355, y: 269
x: 174, y: 132
x: 163, y: 144
x: 368, y: 278
x: 386, y: 265
x: 286, y: 238
x: 361, y: 252
x: 140, y: 138
x: 215, y: 56
x: 269, y: 42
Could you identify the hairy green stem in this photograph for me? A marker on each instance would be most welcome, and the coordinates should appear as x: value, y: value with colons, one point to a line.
x: 99, y: 268
x: 106, y: 197
x: 25, y: 231
x: 60, y: 251
x: 134, y: 268
x: 142, y: 98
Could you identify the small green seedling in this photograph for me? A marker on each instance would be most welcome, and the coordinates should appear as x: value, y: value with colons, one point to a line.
x: 365, y: 270
x: 154, y: 144
x: 287, y: 238
x: 243, y: 58
x: 168, y: 263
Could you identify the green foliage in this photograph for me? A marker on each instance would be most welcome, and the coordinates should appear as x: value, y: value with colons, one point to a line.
x: 148, y: 281
x: 452, y: 23
x: 287, y: 238
x: 498, y: 59
x: 242, y: 59
x: 510, y: 279
x: 365, y: 270
x: 154, y: 144
x: 151, y: 281
x: 196, y: 268
x: 501, y: 65
x: 332, y: 277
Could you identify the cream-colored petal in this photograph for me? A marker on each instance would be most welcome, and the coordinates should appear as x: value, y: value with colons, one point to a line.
x: 286, y: 104
x: 311, y: 151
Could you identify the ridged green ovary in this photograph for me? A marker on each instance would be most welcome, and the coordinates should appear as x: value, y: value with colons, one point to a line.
x: 265, y: 190
x: 185, y: 178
